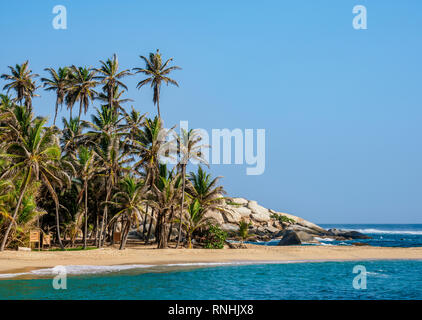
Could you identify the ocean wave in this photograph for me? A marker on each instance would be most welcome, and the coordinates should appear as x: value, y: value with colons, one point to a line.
x: 76, y: 269
x: 89, y: 269
x: 377, y: 231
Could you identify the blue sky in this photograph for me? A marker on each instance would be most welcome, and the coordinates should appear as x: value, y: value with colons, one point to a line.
x: 341, y: 107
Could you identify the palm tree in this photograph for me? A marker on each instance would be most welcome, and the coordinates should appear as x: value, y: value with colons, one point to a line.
x: 21, y: 81
x: 156, y: 72
x: 86, y: 168
x: 112, y: 157
x: 72, y: 135
x: 194, y: 219
x: 202, y: 187
x: 165, y: 195
x: 244, y: 229
x: 59, y: 82
x: 147, y: 144
x: 189, y: 147
x: 110, y: 76
x: 35, y: 156
x: 129, y: 203
x: 115, y: 100
x: 82, y: 84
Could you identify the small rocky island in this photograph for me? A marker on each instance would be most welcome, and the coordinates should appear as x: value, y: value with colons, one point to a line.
x: 267, y: 224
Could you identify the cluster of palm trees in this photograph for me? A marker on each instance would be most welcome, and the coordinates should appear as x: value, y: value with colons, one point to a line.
x: 100, y: 177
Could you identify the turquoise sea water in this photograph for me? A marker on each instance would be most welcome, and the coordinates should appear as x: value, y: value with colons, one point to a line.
x: 317, y: 280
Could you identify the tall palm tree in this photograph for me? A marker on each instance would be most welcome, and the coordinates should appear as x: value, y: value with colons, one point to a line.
x: 112, y: 158
x: 129, y: 203
x: 165, y: 195
x: 147, y: 144
x: 59, y: 82
x: 189, y: 147
x: 36, y: 156
x: 110, y: 77
x: 22, y: 82
x: 157, y: 72
x: 86, y: 170
x: 82, y: 84
x: 194, y: 219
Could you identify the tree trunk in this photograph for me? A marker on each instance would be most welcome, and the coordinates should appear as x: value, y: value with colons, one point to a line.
x: 171, y: 223
x: 58, y: 226
x: 158, y: 102
x: 55, y: 114
x: 102, y: 232
x: 150, y: 226
x: 124, y: 235
x: 162, y: 241
x: 181, y: 206
x: 189, y: 240
x: 145, y: 222
x: 86, y: 213
x: 15, y: 213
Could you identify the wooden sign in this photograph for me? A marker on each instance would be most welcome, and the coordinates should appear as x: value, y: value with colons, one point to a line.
x: 116, y: 236
x: 46, y: 240
x: 34, y: 236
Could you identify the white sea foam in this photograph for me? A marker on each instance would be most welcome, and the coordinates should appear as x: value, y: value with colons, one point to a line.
x: 324, y: 239
x: 74, y: 269
x: 87, y: 269
x: 414, y: 232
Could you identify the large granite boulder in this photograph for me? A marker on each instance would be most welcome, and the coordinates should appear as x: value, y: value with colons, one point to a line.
x: 257, y: 209
x: 243, y: 211
x: 260, y: 217
x: 231, y: 216
x: 229, y: 227
x: 240, y: 201
x: 216, y: 216
x: 290, y: 238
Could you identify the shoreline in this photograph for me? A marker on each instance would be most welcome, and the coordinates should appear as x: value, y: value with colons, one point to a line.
x: 15, y: 262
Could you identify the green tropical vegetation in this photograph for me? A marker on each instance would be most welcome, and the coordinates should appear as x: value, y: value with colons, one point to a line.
x: 90, y: 183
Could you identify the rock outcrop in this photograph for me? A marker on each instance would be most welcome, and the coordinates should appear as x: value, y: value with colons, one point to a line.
x: 290, y: 238
x: 269, y: 224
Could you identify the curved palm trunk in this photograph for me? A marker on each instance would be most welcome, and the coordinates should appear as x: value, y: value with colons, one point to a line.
x: 80, y: 112
x: 145, y: 222
x: 58, y: 226
x: 86, y: 213
x: 15, y: 213
x: 125, y: 235
x: 102, y: 232
x: 181, y: 206
x: 55, y: 114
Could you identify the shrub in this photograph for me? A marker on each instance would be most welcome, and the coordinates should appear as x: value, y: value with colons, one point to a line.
x: 215, y: 237
x: 282, y: 218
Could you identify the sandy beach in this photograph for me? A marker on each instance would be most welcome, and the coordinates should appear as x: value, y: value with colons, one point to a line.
x: 17, y: 261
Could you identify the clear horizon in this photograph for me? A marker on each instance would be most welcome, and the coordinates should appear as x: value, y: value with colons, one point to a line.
x: 341, y: 107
